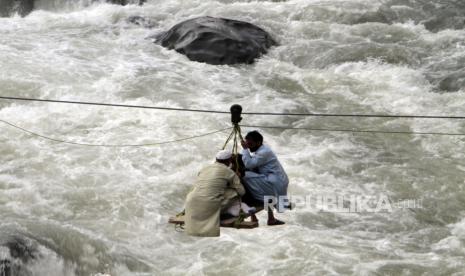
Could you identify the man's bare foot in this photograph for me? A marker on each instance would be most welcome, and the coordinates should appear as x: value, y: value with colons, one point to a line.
x: 275, y: 222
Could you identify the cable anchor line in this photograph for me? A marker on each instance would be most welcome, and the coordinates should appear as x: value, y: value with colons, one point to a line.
x: 31, y: 133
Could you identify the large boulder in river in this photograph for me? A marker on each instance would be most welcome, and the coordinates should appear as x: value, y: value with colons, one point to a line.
x: 217, y: 40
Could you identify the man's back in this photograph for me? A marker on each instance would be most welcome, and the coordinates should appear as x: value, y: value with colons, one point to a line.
x: 215, y: 188
x: 212, y: 181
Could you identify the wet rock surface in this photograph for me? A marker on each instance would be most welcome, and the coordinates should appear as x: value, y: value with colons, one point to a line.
x: 217, y: 40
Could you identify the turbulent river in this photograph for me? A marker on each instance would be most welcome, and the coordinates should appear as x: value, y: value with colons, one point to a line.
x: 79, y: 210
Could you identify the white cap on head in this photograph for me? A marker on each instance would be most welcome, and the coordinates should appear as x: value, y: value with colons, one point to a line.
x: 223, y: 155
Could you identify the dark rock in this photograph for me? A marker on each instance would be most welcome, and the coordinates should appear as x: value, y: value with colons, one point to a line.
x: 141, y: 21
x: 21, y: 248
x: 377, y: 16
x: 453, y: 82
x: 446, y: 73
x: 451, y: 21
x: 5, y: 268
x: 22, y: 251
x: 217, y: 40
x: 125, y: 2
x: 10, y: 7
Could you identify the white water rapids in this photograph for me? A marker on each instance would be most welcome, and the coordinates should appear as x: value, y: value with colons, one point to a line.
x: 90, y: 210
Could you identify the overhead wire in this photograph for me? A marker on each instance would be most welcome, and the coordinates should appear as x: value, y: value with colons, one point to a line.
x: 235, y: 127
x: 354, y: 130
x: 245, y: 113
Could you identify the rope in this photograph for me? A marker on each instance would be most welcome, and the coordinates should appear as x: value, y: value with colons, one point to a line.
x: 229, y: 138
x: 239, y: 135
x: 246, y: 113
x: 179, y: 228
x: 355, y: 130
x: 236, y: 132
x: 236, y: 136
x: 112, y: 145
x: 239, y: 132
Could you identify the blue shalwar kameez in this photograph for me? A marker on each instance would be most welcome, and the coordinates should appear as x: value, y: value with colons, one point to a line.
x: 265, y: 175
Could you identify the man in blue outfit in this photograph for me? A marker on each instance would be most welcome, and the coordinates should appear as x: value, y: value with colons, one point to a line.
x: 265, y: 177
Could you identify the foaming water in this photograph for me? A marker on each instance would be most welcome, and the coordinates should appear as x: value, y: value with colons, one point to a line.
x: 95, y: 210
